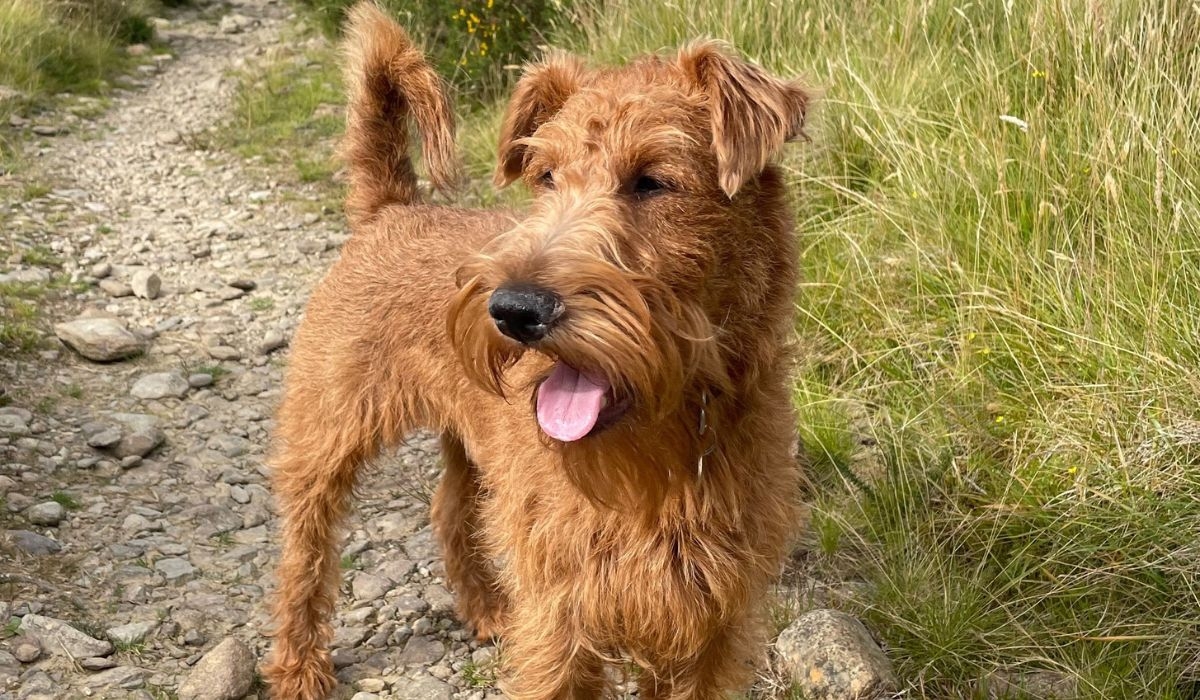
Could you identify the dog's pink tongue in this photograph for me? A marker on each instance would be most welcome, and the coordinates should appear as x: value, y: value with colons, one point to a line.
x: 569, y: 402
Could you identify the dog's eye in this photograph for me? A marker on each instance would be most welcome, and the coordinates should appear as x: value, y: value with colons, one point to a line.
x: 546, y: 179
x: 646, y: 186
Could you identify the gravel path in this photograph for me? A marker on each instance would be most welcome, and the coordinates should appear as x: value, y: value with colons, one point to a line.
x: 136, y: 531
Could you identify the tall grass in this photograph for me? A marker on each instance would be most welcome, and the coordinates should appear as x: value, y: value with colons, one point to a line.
x: 53, y: 46
x: 1012, y: 314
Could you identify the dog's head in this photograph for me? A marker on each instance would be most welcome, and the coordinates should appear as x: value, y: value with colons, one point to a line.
x: 657, y: 238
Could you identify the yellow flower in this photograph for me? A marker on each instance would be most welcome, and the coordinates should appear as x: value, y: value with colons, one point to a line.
x: 489, y: 5
x: 1072, y: 470
x: 999, y: 419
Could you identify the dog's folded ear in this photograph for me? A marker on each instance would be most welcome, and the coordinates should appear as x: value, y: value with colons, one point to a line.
x: 753, y: 113
x: 543, y: 89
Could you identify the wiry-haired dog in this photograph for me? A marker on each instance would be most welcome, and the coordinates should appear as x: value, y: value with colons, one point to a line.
x: 607, y: 372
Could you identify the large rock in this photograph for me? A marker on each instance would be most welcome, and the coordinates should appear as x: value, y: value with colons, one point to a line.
x: 61, y: 639
x: 33, y: 543
x: 99, y: 339
x: 48, y: 514
x: 225, y: 673
x: 160, y: 385
x: 139, y: 434
x: 829, y: 655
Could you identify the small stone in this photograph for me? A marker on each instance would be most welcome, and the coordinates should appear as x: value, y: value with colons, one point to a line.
x: 369, y: 587
x: 131, y: 633
x: 423, y: 687
x: 97, y: 663
x: 235, y: 23
x: 160, y: 385
x: 48, y: 514
x: 101, y: 270
x: 99, y: 339
x: 115, y: 288
x: 104, y: 438
x: 135, y: 523
x: 27, y: 650
x: 33, y: 543
x: 421, y: 651
x: 199, y: 380
x: 168, y: 136
x: 32, y: 275
x: 370, y: 685
x: 175, y: 569
x: 224, y: 352
x: 146, y: 284
x: 141, y: 434
x: 364, y: 696
x: 137, y: 49
x: 272, y: 341
x: 124, y: 677
x: 230, y: 293
x: 224, y: 673
x: 829, y: 655
x: 60, y: 638
x: 49, y: 130
x: 246, y: 285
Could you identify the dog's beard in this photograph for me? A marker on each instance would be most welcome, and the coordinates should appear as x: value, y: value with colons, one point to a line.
x: 626, y: 336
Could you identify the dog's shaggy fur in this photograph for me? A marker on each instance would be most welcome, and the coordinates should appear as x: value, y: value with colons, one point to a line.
x: 661, y: 234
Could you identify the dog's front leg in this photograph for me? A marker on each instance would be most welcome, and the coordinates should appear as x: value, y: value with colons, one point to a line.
x: 723, y: 665
x: 313, y: 478
x: 544, y: 657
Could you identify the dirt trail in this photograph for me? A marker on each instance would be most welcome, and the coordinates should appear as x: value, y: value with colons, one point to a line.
x: 171, y: 552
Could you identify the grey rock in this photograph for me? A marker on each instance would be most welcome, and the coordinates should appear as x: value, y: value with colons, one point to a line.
x: 101, y: 270
x: 104, y: 438
x: 199, y: 380
x: 26, y: 649
x: 224, y: 673
x: 33, y: 543
x: 29, y: 275
x: 230, y: 293
x: 224, y: 352
x: 124, y: 677
x: 48, y: 514
x: 49, y: 130
x: 422, y: 687
x: 272, y: 341
x: 160, y: 385
x: 421, y: 651
x: 131, y: 633
x: 235, y: 23
x: 369, y: 587
x: 13, y: 425
x: 363, y: 695
x: 141, y: 434
x: 830, y: 655
x: 146, y: 284
x: 115, y: 288
x: 99, y: 339
x: 97, y: 663
x: 175, y: 569
x: 61, y: 639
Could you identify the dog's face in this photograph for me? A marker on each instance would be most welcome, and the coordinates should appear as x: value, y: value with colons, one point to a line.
x: 644, y: 180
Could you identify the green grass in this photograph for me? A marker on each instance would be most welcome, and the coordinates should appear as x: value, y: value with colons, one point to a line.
x: 65, y: 500
x: 262, y: 303
x: 19, y: 317
x: 1010, y: 315
x: 49, y: 47
x: 287, y: 113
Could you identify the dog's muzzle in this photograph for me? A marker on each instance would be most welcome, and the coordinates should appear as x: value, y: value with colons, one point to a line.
x: 524, y: 313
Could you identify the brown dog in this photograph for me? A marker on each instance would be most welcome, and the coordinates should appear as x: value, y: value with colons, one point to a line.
x: 608, y: 372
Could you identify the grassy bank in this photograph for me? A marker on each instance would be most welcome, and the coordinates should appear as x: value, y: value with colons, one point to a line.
x: 48, y: 47
x: 1000, y: 224
x: 1008, y: 309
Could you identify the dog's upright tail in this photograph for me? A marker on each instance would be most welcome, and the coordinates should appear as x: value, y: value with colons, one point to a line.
x: 388, y: 81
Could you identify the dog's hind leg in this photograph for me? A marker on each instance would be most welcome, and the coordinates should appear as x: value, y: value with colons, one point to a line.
x: 313, y: 476
x: 470, y: 572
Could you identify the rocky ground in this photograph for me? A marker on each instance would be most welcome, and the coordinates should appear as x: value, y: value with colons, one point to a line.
x: 137, y: 537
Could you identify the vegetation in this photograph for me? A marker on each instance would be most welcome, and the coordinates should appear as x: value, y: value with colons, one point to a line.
x: 1000, y: 226
x: 54, y: 46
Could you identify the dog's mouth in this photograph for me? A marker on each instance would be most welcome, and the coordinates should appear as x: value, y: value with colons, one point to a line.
x: 572, y: 404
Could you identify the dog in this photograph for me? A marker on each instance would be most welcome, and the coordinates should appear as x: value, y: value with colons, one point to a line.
x: 608, y: 371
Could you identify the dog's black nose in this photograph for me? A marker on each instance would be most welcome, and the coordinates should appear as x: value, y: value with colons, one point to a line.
x: 524, y: 313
